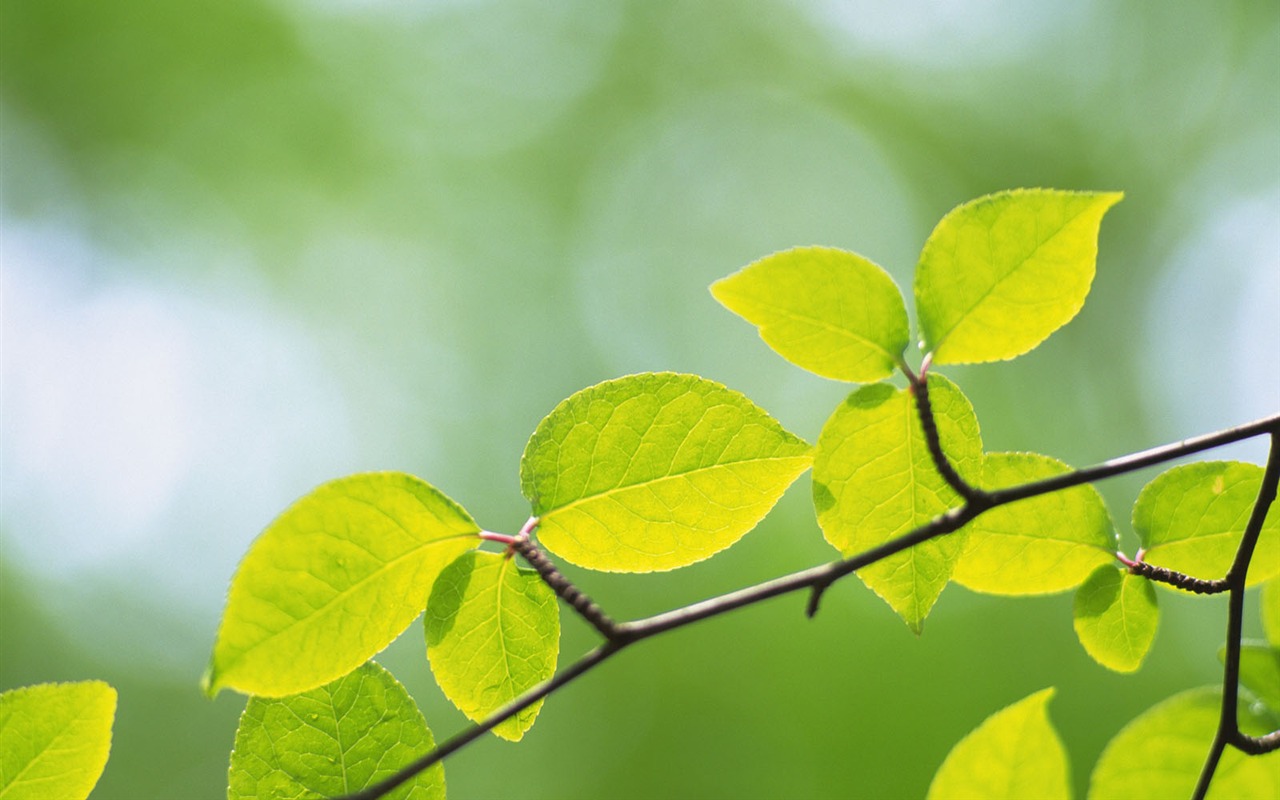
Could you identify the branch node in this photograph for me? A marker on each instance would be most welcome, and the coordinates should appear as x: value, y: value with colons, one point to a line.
x: 815, y: 597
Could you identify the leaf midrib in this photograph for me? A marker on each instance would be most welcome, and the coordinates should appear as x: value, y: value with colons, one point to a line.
x: 823, y: 324
x: 808, y: 455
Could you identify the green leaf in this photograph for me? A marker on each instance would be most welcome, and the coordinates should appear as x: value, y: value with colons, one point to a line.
x: 333, y: 580
x: 1000, y: 273
x: 655, y: 471
x: 493, y: 631
x: 1043, y: 545
x: 1116, y: 617
x: 1159, y: 755
x: 1271, y: 610
x: 873, y: 480
x: 330, y: 741
x: 1014, y: 754
x: 54, y: 739
x: 1192, y: 518
x: 829, y: 311
x: 1259, y: 671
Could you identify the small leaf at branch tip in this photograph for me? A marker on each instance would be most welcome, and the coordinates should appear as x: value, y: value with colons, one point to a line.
x: 829, y: 311
x: 999, y: 274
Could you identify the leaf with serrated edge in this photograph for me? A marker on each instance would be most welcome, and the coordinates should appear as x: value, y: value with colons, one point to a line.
x: 829, y: 311
x: 1115, y: 617
x: 334, y: 740
x: 873, y: 480
x: 1159, y: 755
x: 655, y: 471
x: 54, y: 739
x: 1014, y: 754
x: 1001, y: 273
x: 1191, y: 519
x: 493, y: 632
x: 1042, y: 545
x: 333, y: 580
x: 1270, y: 601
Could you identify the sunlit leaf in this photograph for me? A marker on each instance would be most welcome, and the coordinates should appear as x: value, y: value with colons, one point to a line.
x: 873, y: 480
x: 1116, y: 617
x: 333, y: 580
x: 1192, y: 518
x: 1000, y: 273
x: 332, y: 741
x: 829, y: 311
x: 493, y: 631
x: 1259, y: 671
x: 1043, y: 545
x: 1014, y: 754
x: 1159, y: 755
x: 54, y: 739
x: 1271, y: 611
x: 655, y: 471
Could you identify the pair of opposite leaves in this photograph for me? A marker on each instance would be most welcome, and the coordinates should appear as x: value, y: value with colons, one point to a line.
x: 645, y: 472
x: 657, y: 471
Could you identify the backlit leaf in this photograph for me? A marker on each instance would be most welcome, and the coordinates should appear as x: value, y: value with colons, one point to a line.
x: 1013, y: 755
x: 1271, y: 610
x: 1259, y: 671
x: 655, y: 471
x: 330, y: 741
x: 1042, y: 545
x: 54, y: 739
x: 873, y: 480
x: 334, y: 580
x: 829, y: 311
x: 1159, y: 755
x: 1116, y: 617
x: 1000, y: 273
x: 1191, y: 519
x: 493, y: 631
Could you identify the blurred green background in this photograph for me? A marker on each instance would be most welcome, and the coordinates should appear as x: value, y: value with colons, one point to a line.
x: 249, y: 246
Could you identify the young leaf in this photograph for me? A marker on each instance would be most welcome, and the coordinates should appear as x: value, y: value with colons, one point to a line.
x: 1271, y: 611
x: 1159, y: 755
x: 873, y: 480
x: 1039, y: 546
x: 493, y: 631
x: 1000, y: 273
x: 1259, y: 671
x: 1191, y: 519
x: 1014, y: 754
x: 655, y: 471
x: 334, y: 580
x: 54, y: 739
x: 829, y: 311
x: 1115, y: 618
x: 334, y: 740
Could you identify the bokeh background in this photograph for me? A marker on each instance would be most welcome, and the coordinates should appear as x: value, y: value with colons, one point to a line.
x: 252, y: 245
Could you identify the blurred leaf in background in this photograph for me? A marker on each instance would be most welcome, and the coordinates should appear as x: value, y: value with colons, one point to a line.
x: 251, y: 246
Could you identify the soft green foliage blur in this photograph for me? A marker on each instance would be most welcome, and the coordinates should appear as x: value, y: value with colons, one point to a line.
x: 1116, y: 615
x: 1191, y: 518
x: 874, y: 480
x: 333, y: 580
x: 1000, y: 273
x: 1260, y: 671
x: 1040, y: 546
x: 332, y: 740
x: 829, y: 311
x: 655, y: 471
x: 493, y: 632
x: 1014, y: 754
x: 1158, y: 755
x: 252, y: 245
x: 54, y: 739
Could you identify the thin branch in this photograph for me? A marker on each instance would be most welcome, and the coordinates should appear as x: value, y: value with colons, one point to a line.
x: 1178, y: 580
x: 817, y: 579
x: 1228, y: 719
x: 563, y: 587
x: 970, y: 493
